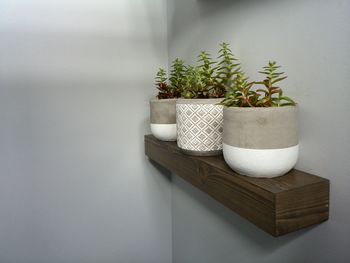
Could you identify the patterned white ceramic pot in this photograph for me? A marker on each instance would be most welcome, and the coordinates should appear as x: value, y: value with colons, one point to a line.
x: 199, y: 126
x: 163, y: 119
x: 261, y: 142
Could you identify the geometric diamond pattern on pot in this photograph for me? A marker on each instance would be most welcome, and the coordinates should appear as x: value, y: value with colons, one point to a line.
x: 199, y: 127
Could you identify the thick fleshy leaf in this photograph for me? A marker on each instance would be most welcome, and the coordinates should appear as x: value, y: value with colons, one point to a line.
x: 278, y: 79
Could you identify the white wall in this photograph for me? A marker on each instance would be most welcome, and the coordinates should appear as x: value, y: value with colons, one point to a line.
x: 75, y: 80
x: 311, y: 39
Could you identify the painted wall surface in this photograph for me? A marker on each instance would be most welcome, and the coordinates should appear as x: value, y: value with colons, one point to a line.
x: 311, y: 39
x: 75, y: 80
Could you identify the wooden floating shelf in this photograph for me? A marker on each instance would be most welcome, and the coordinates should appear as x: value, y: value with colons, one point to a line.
x: 278, y: 205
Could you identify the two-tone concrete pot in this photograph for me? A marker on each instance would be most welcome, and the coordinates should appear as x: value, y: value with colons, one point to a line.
x: 261, y: 142
x: 199, y: 126
x: 163, y: 119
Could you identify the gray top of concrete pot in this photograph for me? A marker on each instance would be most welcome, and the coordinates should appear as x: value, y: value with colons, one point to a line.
x: 199, y: 101
x: 261, y: 128
x: 163, y: 111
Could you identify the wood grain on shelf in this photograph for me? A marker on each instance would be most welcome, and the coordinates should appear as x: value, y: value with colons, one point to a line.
x: 277, y: 205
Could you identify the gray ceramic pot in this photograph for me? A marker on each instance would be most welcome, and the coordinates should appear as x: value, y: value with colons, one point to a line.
x: 163, y: 119
x: 199, y: 126
x: 261, y: 142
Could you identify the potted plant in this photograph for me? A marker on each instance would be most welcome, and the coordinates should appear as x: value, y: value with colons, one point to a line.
x: 260, y: 136
x: 198, y: 113
x: 163, y: 107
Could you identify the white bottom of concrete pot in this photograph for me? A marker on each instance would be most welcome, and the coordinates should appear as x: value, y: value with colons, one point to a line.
x: 164, y: 132
x: 261, y: 162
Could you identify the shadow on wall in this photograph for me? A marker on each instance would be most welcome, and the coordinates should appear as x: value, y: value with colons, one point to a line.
x: 212, y: 20
x: 165, y: 172
x: 210, y: 7
x: 189, y: 15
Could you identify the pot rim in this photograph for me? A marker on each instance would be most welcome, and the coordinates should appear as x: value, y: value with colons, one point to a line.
x: 155, y: 99
x: 199, y: 101
x: 260, y: 109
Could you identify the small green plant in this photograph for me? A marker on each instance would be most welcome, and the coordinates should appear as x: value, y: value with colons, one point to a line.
x: 194, y: 84
x: 177, y: 75
x: 222, y: 79
x: 207, y: 70
x: 201, y: 81
x: 228, y: 67
x: 241, y: 93
x: 273, y: 95
x: 164, y: 90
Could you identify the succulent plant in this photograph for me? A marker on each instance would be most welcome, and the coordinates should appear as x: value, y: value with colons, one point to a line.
x: 164, y: 90
x: 194, y: 85
x: 228, y: 67
x: 201, y: 81
x: 241, y: 93
x: 177, y: 74
x: 206, y: 69
x: 272, y: 95
x: 223, y: 79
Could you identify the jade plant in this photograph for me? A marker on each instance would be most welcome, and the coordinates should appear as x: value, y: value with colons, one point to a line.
x: 241, y: 93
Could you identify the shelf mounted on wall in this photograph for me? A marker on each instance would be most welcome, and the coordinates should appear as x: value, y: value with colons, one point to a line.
x: 277, y: 205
